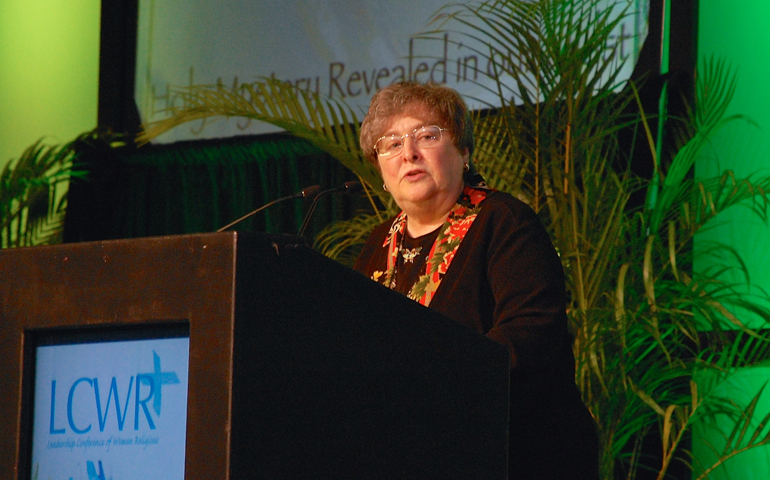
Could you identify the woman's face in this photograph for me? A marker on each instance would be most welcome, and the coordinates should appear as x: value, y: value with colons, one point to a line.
x: 423, y: 179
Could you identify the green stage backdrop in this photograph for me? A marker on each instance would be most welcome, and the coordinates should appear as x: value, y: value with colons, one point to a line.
x: 49, y: 71
x: 738, y: 33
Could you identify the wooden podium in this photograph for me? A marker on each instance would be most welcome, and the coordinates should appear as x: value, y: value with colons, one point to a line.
x: 300, y: 368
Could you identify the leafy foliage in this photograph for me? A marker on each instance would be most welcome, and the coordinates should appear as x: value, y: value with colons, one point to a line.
x: 637, y: 308
x: 32, y: 194
x: 329, y: 124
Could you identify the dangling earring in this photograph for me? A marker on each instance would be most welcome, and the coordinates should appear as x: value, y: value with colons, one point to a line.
x: 384, y: 187
x: 466, y: 167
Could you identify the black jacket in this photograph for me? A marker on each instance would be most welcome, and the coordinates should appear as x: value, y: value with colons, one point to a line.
x: 506, y: 282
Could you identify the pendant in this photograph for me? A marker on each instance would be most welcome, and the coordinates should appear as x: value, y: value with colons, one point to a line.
x: 409, y: 254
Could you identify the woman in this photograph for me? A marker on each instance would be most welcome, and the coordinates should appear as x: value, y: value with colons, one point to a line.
x: 483, y: 259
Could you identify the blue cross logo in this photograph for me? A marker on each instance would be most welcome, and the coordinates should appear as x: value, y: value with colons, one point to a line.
x: 159, y: 378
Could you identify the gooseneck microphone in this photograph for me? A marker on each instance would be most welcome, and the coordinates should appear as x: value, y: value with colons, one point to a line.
x: 308, y: 193
x: 347, y: 188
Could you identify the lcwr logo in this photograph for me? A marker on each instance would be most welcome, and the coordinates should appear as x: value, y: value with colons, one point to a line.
x: 146, y: 386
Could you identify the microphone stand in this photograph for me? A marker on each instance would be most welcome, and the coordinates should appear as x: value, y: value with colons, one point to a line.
x: 346, y: 188
x: 309, y: 192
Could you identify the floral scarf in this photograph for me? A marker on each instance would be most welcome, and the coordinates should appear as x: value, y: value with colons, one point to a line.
x: 443, y: 251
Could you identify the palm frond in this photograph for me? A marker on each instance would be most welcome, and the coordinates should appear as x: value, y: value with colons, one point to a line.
x: 746, y: 430
x: 702, y: 200
x: 715, y: 88
x: 329, y: 124
x: 32, y: 198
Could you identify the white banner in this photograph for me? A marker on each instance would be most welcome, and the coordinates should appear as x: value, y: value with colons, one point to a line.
x: 345, y: 49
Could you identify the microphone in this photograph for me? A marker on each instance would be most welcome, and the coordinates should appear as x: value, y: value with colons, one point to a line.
x: 347, y: 188
x: 307, y: 193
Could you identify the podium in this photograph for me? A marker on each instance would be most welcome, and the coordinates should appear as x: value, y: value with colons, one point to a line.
x: 299, y: 368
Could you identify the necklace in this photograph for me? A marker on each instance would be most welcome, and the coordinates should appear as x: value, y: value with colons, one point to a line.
x: 410, y: 260
x: 440, y: 251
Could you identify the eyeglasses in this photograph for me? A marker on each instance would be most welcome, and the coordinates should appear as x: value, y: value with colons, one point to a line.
x: 424, y: 137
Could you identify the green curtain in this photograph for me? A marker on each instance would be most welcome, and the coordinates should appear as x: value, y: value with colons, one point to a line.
x: 194, y: 187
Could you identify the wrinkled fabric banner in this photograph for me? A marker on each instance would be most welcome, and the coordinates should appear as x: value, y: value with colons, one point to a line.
x: 346, y: 49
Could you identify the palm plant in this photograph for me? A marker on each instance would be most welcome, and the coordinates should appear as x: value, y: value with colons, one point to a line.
x: 33, y: 194
x: 637, y: 339
x: 645, y: 323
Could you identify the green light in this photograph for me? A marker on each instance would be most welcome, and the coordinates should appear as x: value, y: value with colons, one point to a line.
x: 49, y: 71
x: 737, y: 32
